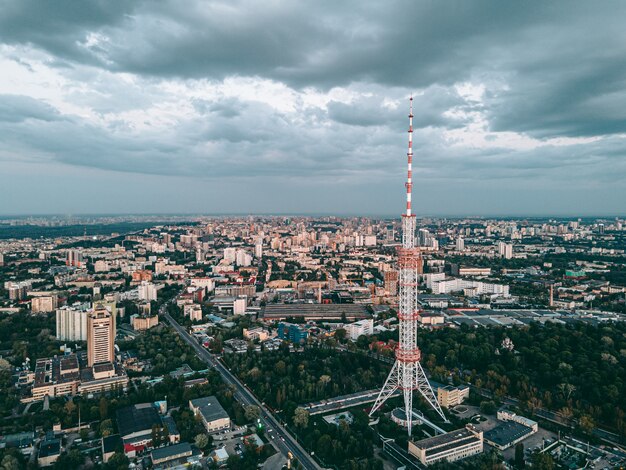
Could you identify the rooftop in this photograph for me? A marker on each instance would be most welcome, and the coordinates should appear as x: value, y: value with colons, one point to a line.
x: 444, y: 439
x: 137, y: 418
x: 276, y: 311
x: 506, y: 433
x: 210, y: 408
x: 171, y: 452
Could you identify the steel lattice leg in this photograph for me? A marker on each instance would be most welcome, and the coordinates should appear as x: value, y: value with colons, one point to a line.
x: 391, y: 385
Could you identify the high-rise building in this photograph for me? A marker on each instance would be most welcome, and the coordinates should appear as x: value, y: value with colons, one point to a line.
x: 230, y: 255
x: 72, y: 323
x: 74, y: 258
x: 505, y: 250
x: 147, y: 291
x: 1, y: 259
x: 460, y: 244
x: 243, y: 258
x: 390, y: 234
x: 100, y: 337
x: 258, y: 248
x: 391, y: 282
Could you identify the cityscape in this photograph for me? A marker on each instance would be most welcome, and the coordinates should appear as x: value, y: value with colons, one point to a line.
x: 256, y: 238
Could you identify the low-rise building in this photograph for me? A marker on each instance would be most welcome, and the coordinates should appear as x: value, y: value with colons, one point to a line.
x: 449, y: 396
x: 359, y: 328
x: 507, y: 434
x: 211, y: 413
x: 49, y: 452
x: 135, y: 425
x: 44, y: 303
x: 142, y: 323
x: 165, y: 456
x: 193, y: 311
x: 294, y: 333
x: 257, y: 333
x: 452, y: 446
x: 111, y: 445
x: 506, y: 415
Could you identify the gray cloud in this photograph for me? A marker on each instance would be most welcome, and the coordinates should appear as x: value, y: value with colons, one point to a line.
x: 146, y: 90
x: 15, y: 108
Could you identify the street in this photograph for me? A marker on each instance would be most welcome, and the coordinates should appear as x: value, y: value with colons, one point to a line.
x: 282, y: 440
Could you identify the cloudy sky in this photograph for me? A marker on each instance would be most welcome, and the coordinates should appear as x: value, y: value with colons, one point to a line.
x: 301, y: 107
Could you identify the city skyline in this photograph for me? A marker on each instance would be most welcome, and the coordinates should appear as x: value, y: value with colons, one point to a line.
x: 232, y: 109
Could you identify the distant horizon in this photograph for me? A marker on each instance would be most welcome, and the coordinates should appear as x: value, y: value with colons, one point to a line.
x: 311, y: 214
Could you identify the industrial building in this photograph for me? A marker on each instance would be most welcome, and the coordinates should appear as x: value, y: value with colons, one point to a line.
x: 274, y: 312
x: 507, y: 434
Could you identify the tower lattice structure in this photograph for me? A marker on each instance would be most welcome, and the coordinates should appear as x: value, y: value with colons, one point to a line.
x: 407, y: 373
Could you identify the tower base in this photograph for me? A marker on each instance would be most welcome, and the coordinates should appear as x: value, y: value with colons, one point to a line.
x: 408, y: 376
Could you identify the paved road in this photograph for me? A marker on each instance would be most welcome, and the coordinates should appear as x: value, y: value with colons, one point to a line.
x: 282, y: 440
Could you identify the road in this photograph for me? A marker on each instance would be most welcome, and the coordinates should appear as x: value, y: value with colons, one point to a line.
x: 282, y: 440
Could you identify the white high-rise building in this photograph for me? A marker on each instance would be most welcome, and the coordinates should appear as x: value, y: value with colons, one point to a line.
x: 369, y: 240
x: 147, y: 291
x: 258, y: 249
x: 72, y: 323
x: 230, y: 255
x: 243, y: 258
x: 505, y: 250
x: 460, y: 244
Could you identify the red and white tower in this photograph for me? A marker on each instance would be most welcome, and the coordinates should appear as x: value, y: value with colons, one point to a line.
x: 407, y: 373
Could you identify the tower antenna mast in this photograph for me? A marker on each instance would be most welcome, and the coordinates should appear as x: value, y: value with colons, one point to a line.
x: 407, y: 373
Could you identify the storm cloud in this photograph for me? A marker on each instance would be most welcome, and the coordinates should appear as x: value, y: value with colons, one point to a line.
x: 287, y: 106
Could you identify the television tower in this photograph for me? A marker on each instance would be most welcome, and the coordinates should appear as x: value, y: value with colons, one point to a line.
x: 407, y: 373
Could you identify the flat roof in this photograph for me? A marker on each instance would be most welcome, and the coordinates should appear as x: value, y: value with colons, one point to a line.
x: 274, y: 311
x: 444, y: 439
x: 137, y: 418
x: 170, y: 452
x: 506, y: 433
x: 48, y: 448
x: 210, y: 408
x: 111, y: 443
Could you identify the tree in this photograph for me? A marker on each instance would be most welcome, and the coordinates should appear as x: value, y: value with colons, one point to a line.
x: 543, y: 461
x: 519, y: 455
x: 104, y: 408
x: 301, y: 417
x: 325, y: 379
x: 70, y: 406
x: 118, y: 461
x: 488, y: 407
x: 106, y: 428
x: 586, y: 423
x: 340, y: 334
x: 9, y: 463
x: 71, y: 459
x: 252, y: 412
x: 201, y: 441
